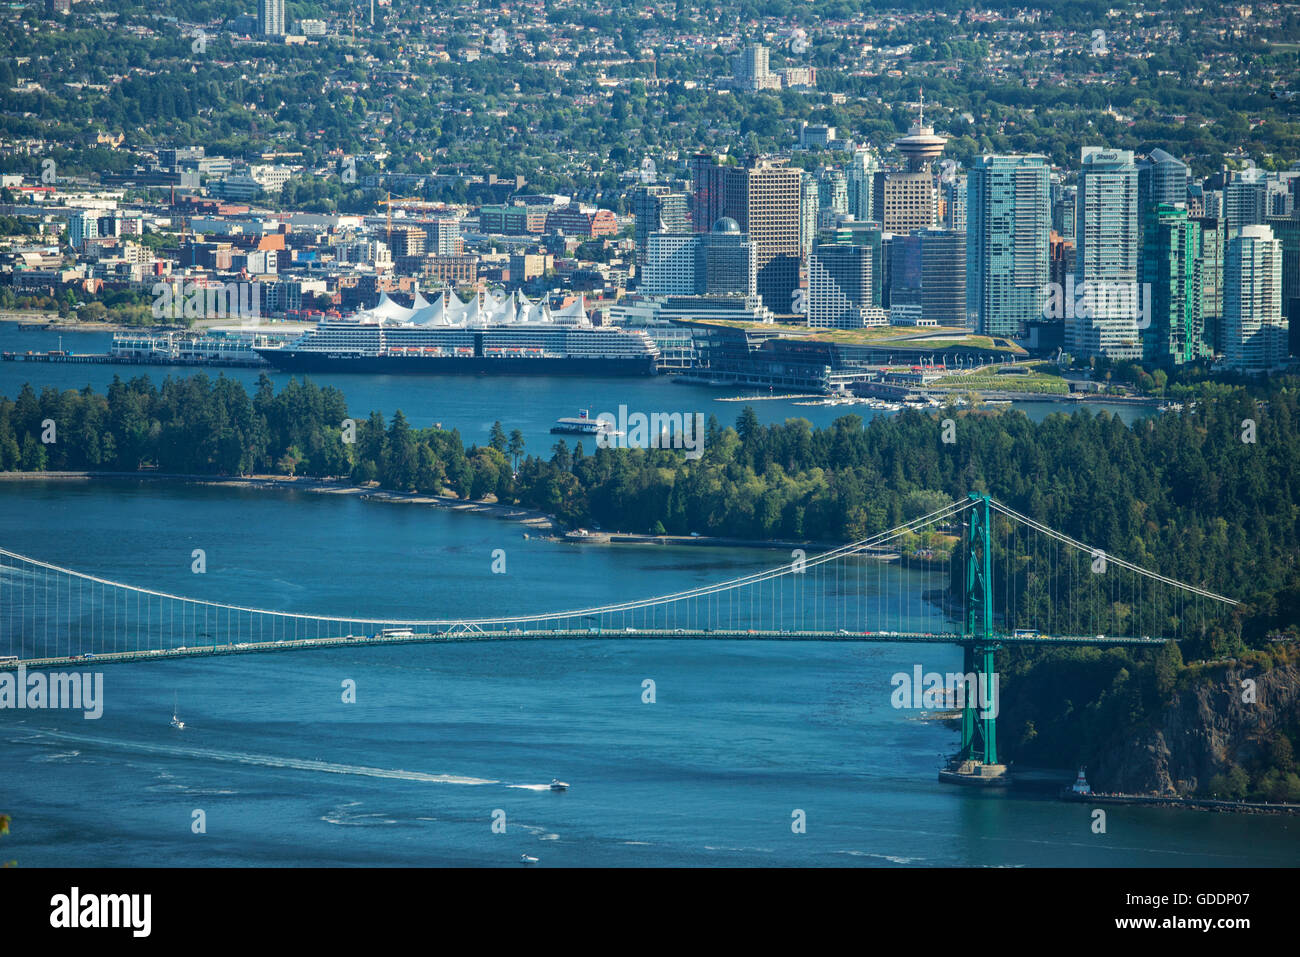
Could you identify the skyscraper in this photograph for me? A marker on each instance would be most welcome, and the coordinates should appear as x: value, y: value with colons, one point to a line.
x: 909, y: 195
x: 1211, y: 246
x: 1007, y: 225
x: 809, y: 201
x: 1162, y: 181
x: 1162, y: 178
x: 656, y: 209
x: 750, y: 68
x: 1171, y: 269
x: 1245, y: 199
x: 855, y: 233
x: 943, y: 276
x: 670, y: 268
x: 1065, y: 201
x: 1255, y: 334
x: 726, y: 262
x: 1107, y: 230
x: 708, y: 188
x: 860, y: 172
x: 1286, y: 230
x: 832, y: 196
x: 954, y: 202
x: 270, y: 18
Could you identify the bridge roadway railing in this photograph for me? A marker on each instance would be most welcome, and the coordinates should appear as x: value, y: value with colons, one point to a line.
x: 516, y: 634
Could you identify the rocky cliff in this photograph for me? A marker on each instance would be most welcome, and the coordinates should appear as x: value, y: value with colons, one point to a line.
x: 1211, y: 724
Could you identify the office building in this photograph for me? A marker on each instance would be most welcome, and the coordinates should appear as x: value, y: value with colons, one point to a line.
x: 1245, y: 199
x: 718, y: 263
x: 954, y: 202
x: 656, y: 209
x: 1211, y: 246
x: 839, y: 287
x: 764, y: 197
x: 1162, y: 179
x: 832, y: 197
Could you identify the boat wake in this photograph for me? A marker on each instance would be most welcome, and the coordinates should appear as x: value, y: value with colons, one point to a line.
x: 271, y: 761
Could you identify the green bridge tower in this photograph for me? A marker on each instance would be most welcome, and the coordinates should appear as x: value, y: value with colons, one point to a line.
x: 979, y: 743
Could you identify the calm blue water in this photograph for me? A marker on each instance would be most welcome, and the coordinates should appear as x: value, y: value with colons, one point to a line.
x: 741, y: 734
x: 468, y: 403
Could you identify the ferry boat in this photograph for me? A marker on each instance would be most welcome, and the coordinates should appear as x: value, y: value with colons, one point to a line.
x: 583, y: 424
x: 511, y: 336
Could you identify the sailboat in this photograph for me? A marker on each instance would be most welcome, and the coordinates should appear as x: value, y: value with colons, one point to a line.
x: 177, y: 723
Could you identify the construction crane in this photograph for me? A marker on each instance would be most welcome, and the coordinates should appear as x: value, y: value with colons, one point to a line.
x: 389, y: 201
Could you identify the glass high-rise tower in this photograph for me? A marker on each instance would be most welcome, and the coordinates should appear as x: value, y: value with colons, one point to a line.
x: 1107, y: 235
x: 1171, y: 269
x: 1008, y: 218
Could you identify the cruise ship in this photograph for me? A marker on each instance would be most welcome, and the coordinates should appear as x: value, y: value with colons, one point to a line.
x: 505, y: 335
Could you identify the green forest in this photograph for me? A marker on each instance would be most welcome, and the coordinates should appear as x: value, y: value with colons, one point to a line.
x: 1209, y: 495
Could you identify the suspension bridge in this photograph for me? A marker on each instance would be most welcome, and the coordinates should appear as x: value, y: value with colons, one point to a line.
x: 995, y: 578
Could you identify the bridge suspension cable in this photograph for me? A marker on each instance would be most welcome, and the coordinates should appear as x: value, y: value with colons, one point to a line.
x: 901, y: 583
x: 875, y: 541
x: 1112, y: 559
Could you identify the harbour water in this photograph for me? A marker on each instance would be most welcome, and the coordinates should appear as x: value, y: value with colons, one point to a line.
x: 740, y: 736
x: 468, y: 403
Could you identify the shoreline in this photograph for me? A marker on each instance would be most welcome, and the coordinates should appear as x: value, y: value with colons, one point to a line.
x: 546, y: 525
x: 530, y: 517
x: 50, y: 322
x: 1195, y: 804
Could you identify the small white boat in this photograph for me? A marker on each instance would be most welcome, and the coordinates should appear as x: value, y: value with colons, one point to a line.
x: 176, y: 722
x: 525, y: 859
x: 558, y: 785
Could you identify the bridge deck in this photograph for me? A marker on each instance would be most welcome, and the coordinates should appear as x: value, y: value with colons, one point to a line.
x: 603, y: 634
